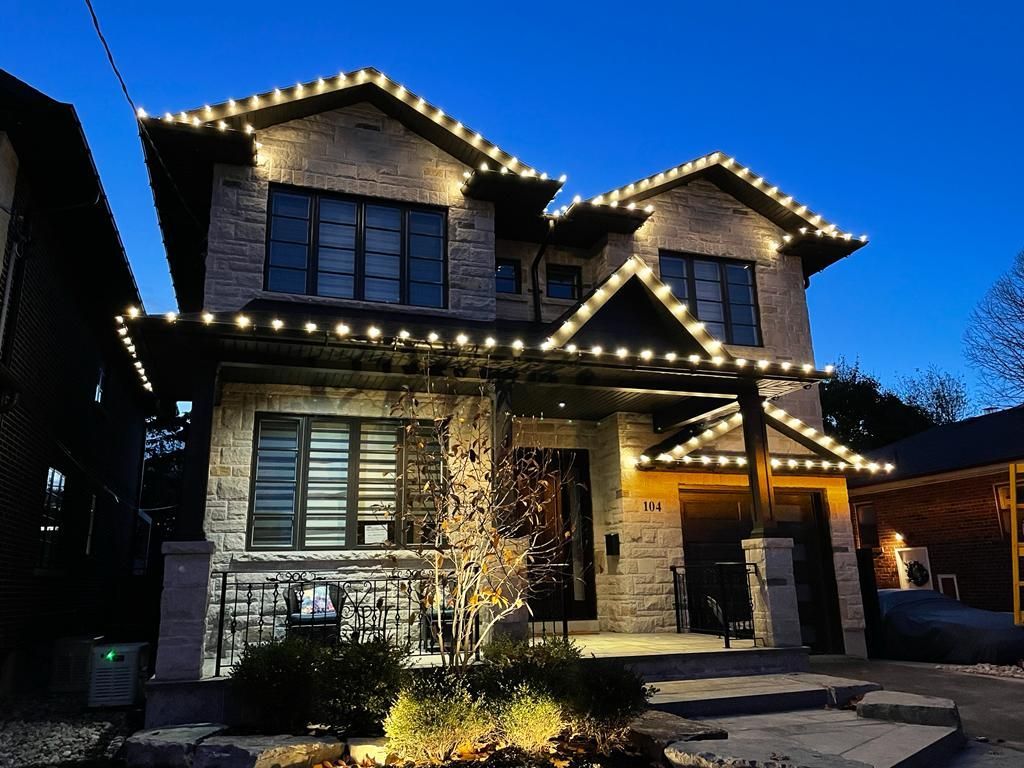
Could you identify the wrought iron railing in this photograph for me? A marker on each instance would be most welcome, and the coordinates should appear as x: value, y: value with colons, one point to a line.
x: 402, y: 607
x: 714, y: 599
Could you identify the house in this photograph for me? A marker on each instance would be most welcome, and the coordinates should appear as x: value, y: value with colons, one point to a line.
x: 72, y: 410
x: 333, y: 242
x: 946, y: 506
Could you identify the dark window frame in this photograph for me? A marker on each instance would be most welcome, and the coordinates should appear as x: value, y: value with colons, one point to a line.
x: 867, y: 531
x: 723, y: 280
x: 315, y: 197
x: 52, y: 518
x: 577, y: 279
x: 517, y: 266
x: 352, y: 523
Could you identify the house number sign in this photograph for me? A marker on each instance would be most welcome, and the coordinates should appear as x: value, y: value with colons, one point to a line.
x: 652, y: 506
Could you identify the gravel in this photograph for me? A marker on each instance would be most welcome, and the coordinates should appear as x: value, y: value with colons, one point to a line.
x: 992, y: 670
x: 60, y: 732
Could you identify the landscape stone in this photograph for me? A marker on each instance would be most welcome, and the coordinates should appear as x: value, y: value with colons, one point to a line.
x: 266, y: 752
x: 171, y: 747
x: 654, y: 730
x: 911, y: 708
x: 365, y: 751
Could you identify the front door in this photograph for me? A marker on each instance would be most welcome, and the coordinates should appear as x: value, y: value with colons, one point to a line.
x: 563, y: 585
x: 716, y: 522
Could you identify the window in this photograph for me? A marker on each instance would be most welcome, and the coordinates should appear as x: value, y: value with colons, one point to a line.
x: 867, y: 525
x: 100, y: 380
x: 564, y: 281
x: 323, y: 245
x: 52, y: 517
x: 507, y: 277
x: 333, y: 483
x: 721, y: 294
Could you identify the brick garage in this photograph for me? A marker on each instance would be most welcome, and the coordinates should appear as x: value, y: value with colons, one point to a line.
x: 956, y: 520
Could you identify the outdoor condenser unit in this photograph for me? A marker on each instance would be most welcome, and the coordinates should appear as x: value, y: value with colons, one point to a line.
x: 117, y: 672
x: 72, y: 657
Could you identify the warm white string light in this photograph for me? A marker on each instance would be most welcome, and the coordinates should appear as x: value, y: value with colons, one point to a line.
x: 460, y: 340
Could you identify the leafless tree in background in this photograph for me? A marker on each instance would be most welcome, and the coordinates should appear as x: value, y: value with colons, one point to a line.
x: 994, y: 338
x: 943, y: 396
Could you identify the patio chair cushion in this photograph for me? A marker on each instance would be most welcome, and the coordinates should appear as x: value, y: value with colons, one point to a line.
x: 315, y: 601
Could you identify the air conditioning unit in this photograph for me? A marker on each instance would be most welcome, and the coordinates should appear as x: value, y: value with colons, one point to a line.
x: 69, y: 671
x: 117, y: 674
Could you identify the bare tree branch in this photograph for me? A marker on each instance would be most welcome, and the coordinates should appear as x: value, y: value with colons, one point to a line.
x: 994, y: 339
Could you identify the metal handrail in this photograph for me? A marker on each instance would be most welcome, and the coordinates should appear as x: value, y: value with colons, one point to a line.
x: 715, y: 598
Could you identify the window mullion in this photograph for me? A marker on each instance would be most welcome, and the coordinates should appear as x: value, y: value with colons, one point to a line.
x: 301, y: 483
x: 358, y: 291
x: 403, y: 260
x: 691, y: 284
x: 723, y: 277
x: 352, y: 491
x: 313, y: 259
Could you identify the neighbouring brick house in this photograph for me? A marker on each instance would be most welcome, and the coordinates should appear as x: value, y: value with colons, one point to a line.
x: 331, y: 242
x: 947, y: 505
x: 72, y: 408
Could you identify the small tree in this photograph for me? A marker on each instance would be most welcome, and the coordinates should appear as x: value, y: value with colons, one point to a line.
x: 993, y: 337
x: 859, y: 412
x: 943, y: 396
x: 479, y: 506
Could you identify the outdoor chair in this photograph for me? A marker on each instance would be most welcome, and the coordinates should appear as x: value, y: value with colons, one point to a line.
x: 314, y: 610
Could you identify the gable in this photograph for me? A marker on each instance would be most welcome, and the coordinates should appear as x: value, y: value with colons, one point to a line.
x: 634, y: 318
x: 629, y: 290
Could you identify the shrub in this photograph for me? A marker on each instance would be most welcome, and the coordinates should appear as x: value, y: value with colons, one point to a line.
x: 529, y: 720
x: 605, y: 699
x: 280, y: 680
x: 550, y: 666
x: 291, y: 682
x: 434, y: 718
x: 360, y: 682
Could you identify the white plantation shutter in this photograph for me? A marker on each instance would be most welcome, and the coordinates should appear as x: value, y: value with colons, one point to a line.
x: 327, y: 485
x: 276, y: 488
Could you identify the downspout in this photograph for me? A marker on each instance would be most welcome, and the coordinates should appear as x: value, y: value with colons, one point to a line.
x: 535, y: 272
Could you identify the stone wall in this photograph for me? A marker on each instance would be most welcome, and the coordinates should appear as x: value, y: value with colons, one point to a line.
x: 520, y: 307
x: 360, y: 151
x: 700, y: 218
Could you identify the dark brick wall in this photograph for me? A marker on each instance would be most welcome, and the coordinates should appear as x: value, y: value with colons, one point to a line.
x: 58, y: 338
x: 957, y: 521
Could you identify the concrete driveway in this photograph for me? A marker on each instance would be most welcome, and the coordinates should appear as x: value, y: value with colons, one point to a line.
x: 990, y: 707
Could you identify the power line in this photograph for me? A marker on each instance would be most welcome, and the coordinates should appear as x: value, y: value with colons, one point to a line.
x: 143, y: 131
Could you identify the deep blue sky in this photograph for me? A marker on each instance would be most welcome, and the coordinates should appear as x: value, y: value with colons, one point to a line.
x: 903, y: 120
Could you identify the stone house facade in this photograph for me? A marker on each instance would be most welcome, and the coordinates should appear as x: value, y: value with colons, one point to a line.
x: 567, y: 319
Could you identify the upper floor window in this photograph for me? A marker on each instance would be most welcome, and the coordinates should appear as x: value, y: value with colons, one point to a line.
x: 721, y: 294
x: 324, y: 245
x: 507, y: 276
x: 564, y: 281
x: 330, y: 483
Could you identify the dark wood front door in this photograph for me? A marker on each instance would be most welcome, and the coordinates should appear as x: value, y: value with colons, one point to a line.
x: 716, y: 522
x: 563, y: 584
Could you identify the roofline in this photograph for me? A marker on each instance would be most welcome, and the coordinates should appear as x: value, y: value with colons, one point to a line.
x: 868, y: 488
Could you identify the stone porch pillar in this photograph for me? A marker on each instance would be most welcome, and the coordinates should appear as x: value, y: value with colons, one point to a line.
x: 773, y: 591
x: 183, y: 605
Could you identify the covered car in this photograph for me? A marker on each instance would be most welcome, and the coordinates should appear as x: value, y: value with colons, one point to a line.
x: 923, y: 625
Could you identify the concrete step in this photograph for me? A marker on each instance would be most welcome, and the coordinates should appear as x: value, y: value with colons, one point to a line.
x: 827, y: 738
x: 755, y: 694
x: 734, y: 662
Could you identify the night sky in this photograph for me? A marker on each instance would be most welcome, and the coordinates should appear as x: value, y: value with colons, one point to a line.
x: 901, y: 120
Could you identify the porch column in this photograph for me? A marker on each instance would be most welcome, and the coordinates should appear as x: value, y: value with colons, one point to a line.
x: 183, y: 605
x: 759, y: 465
x: 773, y: 591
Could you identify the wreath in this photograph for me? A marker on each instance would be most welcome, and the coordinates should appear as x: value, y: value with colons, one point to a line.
x: 917, y: 574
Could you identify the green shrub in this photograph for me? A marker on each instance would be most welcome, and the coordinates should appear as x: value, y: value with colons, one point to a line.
x: 435, y: 717
x: 292, y: 682
x: 360, y: 682
x: 605, y: 699
x: 550, y: 666
x: 529, y: 720
x: 280, y: 681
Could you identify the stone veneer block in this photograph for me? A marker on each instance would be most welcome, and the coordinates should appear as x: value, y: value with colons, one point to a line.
x: 183, y: 608
x: 773, y: 591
